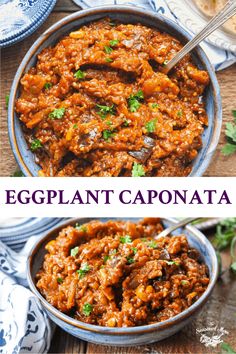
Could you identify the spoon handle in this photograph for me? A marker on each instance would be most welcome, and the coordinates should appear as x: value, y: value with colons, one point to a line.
x: 171, y: 228
x: 226, y: 13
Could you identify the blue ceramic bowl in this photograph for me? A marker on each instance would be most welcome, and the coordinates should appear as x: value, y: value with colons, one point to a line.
x: 130, y: 335
x: 25, y: 157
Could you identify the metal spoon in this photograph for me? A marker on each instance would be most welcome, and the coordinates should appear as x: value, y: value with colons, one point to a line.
x: 225, y: 14
x: 171, y: 228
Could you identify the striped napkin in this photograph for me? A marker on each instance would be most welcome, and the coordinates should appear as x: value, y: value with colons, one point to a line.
x: 219, y: 58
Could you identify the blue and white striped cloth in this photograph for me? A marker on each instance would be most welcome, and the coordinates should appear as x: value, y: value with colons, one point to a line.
x: 219, y: 58
x: 24, y: 326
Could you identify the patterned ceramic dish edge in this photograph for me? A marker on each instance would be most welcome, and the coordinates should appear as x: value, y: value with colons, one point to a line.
x: 211, y: 135
x: 130, y: 335
x: 44, y: 10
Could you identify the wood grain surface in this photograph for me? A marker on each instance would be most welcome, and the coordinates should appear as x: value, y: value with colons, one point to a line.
x: 12, y: 57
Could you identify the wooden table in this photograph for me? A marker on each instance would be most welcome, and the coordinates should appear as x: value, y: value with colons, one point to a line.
x: 11, y: 58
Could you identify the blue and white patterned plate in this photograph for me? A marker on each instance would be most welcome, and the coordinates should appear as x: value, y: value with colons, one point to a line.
x: 20, y: 18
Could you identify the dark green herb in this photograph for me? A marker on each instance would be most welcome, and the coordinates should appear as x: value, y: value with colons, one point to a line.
x: 226, y: 348
x: 79, y: 74
x: 7, y: 100
x: 152, y: 244
x: 58, y: 113
x: 113, y: 251
x: 47, y: 85
x: 138, y: 170
x: 179, y: 114
x: 107, y: 134
x: 155, y: 105
x: 134, y: 249
x: 233, y: 255
x: 85, y: 268
x: 134, y: 101
x: 87, y: 309
x: 75, y: 126
x: 74, y: 251
x: 108, y: 122
x: 103, y: 111
x: 107, y: 49
x: 126, y: 123
x: 114, y: 42
x: 18, y: 174
x: 125, y: 239
x: 105, y: 259
x: 184, y: 282
x: 60, y: 280
x: 130, y: 260
x: 36, y: 144
x: 171, y: 262
x: 225, y: 232
x: 108, y: 60
x: 230, y: 132
x: 151, y: 125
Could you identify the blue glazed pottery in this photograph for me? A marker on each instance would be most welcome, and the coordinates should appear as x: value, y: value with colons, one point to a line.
x: 25, y: 158
x: 124, y: 336
x: 20, y: 18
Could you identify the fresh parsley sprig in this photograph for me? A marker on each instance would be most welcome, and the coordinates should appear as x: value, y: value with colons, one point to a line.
x: 230, y: 132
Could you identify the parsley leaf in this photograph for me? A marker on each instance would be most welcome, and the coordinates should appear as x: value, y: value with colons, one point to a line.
x: 155, y: 105
x: 126, y: 239
x: 151, y: 125
x: 58, y: 113
x: 171, y: 262
x: 105, y: 259
x: 7, y: 100
x: 87, y: 309
x: 114, y: 42
x: 134, y: 249
x: 79, y: 74
x: 152, y: 244
x: 225, y: 232
x: 85, y: 268
x: 228, y: 149
x: 130, y: 260
x: 47, y: 85
x: 107, y: 49
x: 230, y: 132
x: 103, y: 111
x: 234, y: 113
x: 108, y: 60
x: 138, y: 170
x: 179, y: 114
x: 75, y: 126
x: 36, y: 144
x: 134, y: 101
x: 74, y: 251
x: 81, y: 227
x: 107, y: 134
x: 233, y: 267
x: 59, y: 280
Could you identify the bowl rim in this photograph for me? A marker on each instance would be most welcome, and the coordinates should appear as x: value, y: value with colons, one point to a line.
x: 106, y: 10
x: 122, y: 330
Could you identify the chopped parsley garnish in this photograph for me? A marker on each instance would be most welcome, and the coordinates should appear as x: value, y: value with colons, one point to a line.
x: 155, y: 105
x: 59, y: 280
x: 48, y: 85
x: 74, y: 251
x: 114, y: 42
x: 126, y: 123
x: 85, y: 268
x: 108, y: 60
x: 152, y: 244
x: 125, y: 239
x: 171, y: 263
x: 18, y: 174
x: 36, y: 144
x: 134, y: 249
x: 79, y: 74
x: 225, y: 233
x: 87, y: 309
x: 103, y: 111
x: 138, y: 170
x: 75, y: 126
x: 7, y: 100
x: 130, y: 260
x: 107, y: 134
x: 58, y: 113
x: 107, y: 49
x: 179, y: 114
x: 134, y: 101
x: 184, y: 282
x: 108, y: 122
x: 113, y: 251
x: 151, y: 125
x: 105, y: 259
x: 81, y: 227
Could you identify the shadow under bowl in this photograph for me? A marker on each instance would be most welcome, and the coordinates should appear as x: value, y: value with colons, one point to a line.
x: 127, y: 336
